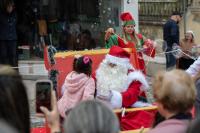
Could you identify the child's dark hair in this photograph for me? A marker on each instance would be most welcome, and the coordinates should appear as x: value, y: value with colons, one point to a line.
x: 83, y: 64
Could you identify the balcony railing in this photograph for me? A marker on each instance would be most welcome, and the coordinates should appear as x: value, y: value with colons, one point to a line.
x: 158, y: 11
x: 195, y: 8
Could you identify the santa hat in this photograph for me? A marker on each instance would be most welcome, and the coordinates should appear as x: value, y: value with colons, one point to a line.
x: 118, y: 56
x: 127, y: 19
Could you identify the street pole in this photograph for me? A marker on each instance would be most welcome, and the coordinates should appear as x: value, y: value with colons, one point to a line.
x: 185, y: 14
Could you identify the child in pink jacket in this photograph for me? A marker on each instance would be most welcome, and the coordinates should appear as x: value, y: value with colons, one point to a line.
x: 78, y: 85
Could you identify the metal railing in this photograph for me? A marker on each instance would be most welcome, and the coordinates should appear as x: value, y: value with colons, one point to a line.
x: 158, y: 11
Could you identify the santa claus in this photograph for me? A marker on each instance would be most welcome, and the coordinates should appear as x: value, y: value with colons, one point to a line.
x: 118, y: 84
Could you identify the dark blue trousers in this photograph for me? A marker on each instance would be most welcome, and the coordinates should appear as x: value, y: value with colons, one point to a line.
x: 8, y: 52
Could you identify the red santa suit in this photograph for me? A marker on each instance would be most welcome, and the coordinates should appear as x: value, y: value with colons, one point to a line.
x: 119, y: 85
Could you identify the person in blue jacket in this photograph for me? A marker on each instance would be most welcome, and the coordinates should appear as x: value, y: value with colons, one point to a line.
x: 8, y: 35
x: 171, y: 37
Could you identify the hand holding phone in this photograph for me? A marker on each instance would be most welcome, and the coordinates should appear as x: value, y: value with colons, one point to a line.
x: 43, y: 94
x: 52, y: 116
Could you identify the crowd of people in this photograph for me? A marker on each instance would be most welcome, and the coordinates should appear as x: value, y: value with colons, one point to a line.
x: 86, y: 109
x: 174, y: 92
x: 119, y: 83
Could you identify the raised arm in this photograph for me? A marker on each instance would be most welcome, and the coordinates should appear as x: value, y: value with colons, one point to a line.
x: 148, y: 45
x: 194, y: 68
x: 110, y: 38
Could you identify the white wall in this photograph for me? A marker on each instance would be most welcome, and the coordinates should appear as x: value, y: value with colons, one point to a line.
x: 132, y: 7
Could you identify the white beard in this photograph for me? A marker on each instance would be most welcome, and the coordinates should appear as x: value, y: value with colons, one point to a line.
x: 109, y: 78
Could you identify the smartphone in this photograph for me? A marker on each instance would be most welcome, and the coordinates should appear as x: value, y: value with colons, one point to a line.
x: 43, y: 94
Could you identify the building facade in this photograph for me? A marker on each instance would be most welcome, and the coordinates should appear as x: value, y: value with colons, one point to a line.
x: 65, y: 20
x: 153, y: 14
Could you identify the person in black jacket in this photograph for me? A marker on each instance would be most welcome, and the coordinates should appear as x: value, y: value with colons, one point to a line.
x: 8, y: 36
x: 171, y: 37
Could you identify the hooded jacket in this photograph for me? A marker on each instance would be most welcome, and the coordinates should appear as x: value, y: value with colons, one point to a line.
x: 78, y: 87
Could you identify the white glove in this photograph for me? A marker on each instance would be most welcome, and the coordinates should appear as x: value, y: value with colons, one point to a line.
x: 140, y: 104
x: 116, y: 99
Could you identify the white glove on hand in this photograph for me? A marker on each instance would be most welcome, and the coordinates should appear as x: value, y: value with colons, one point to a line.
x: 116, y: 99
x: 140, y: 104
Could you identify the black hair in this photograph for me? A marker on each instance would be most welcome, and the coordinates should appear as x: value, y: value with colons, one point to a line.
x: 177, y: 13
x: 83, y: 64
x: 14, y: 107
x: 4, y: 4
x: 87, y: 32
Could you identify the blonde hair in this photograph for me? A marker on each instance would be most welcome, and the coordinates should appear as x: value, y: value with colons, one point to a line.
x: 174, y: 90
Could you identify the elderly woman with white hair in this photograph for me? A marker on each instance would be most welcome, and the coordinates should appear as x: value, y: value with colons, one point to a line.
x: 187, y: 45
x: 175, y: 94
